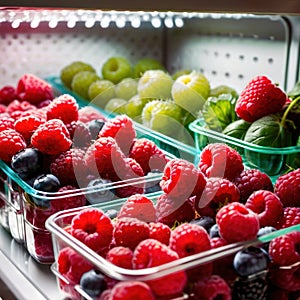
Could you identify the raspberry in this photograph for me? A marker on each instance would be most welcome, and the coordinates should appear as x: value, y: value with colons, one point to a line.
x: 7, y: 94
x: 16, y: 108
x: 259, y: 98
x: 251, y: 180
x: 237, y: 223
x: 2, y: 109
x: 160, y: 232
x: 129, y: 232
x: 27, y: 125
x: 51, y: 137
x: 64, y: 107
x: 151, y: 253
x: 89, y: 113
x: 212, y: 287
x: 135, y: 169
x: 140, y: 207
x: 92, y: 227
x: 71, y: 265
x: 171, y: 211
x: 182, y: 179
x: 286, y: 279
x: 121, y: 129
x: 267, y: 205
x: 130, y: 290
x: 148, y: 155
x: 291, y: 216
x: 105, y: 157
x: 188, y: 239
x: 6, y: 123
x: 220, y: 160
x: 40, y: 113
x: 10, y: 143
x: 120, y: 256
x: 69, y: 167
x: 79, y: 134
x: 34, y: 89
x: 284, y: 250
x: 287, y: 188
x: 217, y: 193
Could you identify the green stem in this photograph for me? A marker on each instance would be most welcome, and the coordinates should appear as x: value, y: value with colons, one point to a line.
x: 289, y: 108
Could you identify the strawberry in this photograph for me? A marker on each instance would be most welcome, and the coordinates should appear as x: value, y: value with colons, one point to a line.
x: 259, y: 98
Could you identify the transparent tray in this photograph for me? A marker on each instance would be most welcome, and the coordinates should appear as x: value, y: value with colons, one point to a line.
x: 270, y: 160
x: 57, y: 223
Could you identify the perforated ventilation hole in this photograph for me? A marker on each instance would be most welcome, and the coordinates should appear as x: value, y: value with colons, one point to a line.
x: 241, y: 57
x: 270, y: 60
x: 227, y: 74
x: 255, y: 59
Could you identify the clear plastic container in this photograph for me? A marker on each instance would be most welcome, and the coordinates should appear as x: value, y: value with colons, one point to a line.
x: 221, y: 258
x: 270, y: 160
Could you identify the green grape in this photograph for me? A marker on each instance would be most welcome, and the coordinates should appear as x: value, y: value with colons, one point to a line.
x: 82, y: 81
x: 101, y: 91
x: 146, y: 64
x: 134, y: 107
x: 126, y: 88
x: 116, y: 106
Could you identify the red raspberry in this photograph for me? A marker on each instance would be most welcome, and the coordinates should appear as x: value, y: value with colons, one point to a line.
x: 2, y: 109
x: 27, y: 125
x: 160, y: 232
x: 72, y: 265
x: 267, y: 205
x: 51, y: 137
x: 170, y: 211
x: 284, y: 250
x: 212, y: 287
x: 121, y: 129
x: 129, y: 290
x: 129, y: 232
x: 120, y: 256
x: 148, y: 155
x: 79, y: 134
x: 182, y: 179
x: 140, y: 207
x: 220, y: 160
x: 40, y: 113
x: 151, y: 253
x: 7, y: 94
x: 251, y: 180
x: 217, y: 193
x: 69, y: 167
x: 89, y: 113
x: 287, y: 188
x: 92, y: 227
x: 104, y: 157
x: 64, y: 107
x: 237, y: 223
x: 11, y: 142
x: 259, y: 98
x: 6, y: 122
x: 291, y: 216
x: 34, y: 89
x: 286, y: 279
x: 16, y: 108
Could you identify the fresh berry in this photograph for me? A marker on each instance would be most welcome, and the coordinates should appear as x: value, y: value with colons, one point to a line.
x: 148, y: 155
x: 80, y: 134
x: 212, y: 287
x: 6, y: 123
x: 250, y: 180
x: 214, y: 231
x: 120, y: 256
x: 264, y: 231
x: 64, y: 107
x: 92, y: 227
x: 237, y: 223
x: 259, y: 98
x: 172, y: 211
x: 182, y: 179
x: 16, y: 108
x: 93, y: 283
x: 160, y: 232
x: 69, y: 167
x: 129, y: 290
x: 102, y: 190
x: 140, y: 207
x: 94, y: 127
x: 46, y: 183
x: 129, y: 232
x: 11, y: 142
x: 217, y: 193
x: 152, y: 184
x: 267, y: 205
x: 33, y: 89
x: 51, y: 137
x: 204, y: 221
x: 220, y: 160
x: 89, y: 113
x: 291, y: 216
x: 7, y: 94
x: 287, y: 188
x: 151, y: 253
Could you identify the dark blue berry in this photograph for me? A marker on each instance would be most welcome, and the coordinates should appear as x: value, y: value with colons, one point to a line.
x: 112, y: 213
x: 263, y: 231
x: 152, y: 185
x: 204, y: 221
x: 93, y: 283
x: 214, y: 231
x: 95, y: 126
x: 99, y: 191
x: 27, y: 162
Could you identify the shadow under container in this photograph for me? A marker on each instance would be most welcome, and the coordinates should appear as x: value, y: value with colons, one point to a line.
x: 270, y: 160
x: 218, y: 260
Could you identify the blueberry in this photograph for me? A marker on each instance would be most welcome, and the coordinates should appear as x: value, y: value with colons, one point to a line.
x: 204, y: 221
x: 95, y: 126
x: 27, y: 162
x: 263, y: 231
x: 152, y: 185
x: 93, y: 283
x: 112, y: 213
x: 102, y: 192
x: 214, y: 231
x: 251, y: 260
